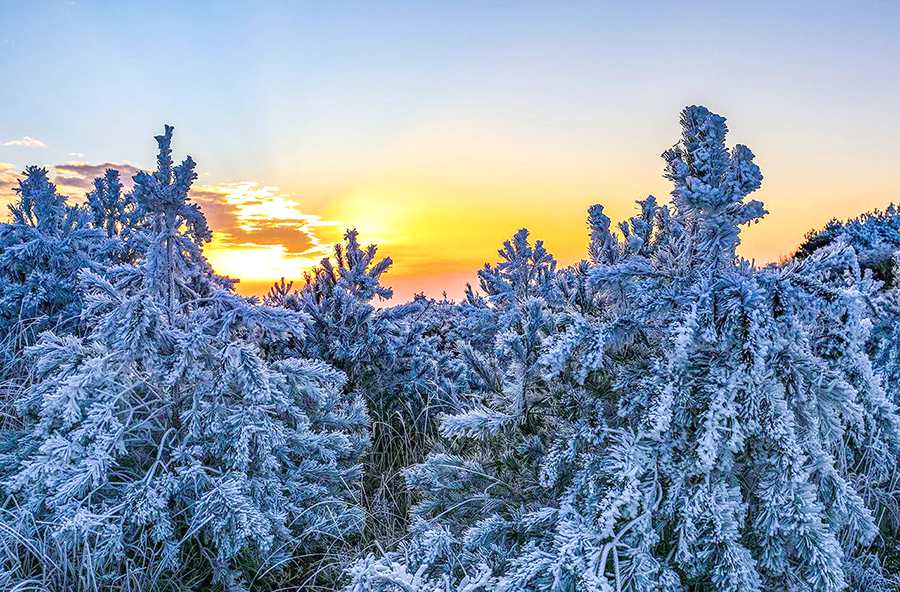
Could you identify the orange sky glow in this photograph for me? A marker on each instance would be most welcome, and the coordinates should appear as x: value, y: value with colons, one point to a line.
x: 437, y: 130
x: 440, y: 203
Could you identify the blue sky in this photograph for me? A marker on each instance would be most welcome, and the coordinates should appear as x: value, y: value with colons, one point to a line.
x: 395, y: 116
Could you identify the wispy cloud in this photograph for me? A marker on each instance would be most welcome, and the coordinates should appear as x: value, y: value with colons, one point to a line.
x: 26, y: 141
x: 76, y: 178
x: 9, y: 179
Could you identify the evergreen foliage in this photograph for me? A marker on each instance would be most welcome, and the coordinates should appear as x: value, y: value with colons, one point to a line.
x: 719, y: 427
x: 42, y: 249
x: 165, y: 441
x: 874, y: 235
x: 119, y: 215
x: 662, y: 416
x: 395, y: 357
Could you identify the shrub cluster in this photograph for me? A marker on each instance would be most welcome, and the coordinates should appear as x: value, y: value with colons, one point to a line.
x: 662, y: 416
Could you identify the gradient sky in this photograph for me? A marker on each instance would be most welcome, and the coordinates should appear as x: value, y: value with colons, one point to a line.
x: 440, y: 128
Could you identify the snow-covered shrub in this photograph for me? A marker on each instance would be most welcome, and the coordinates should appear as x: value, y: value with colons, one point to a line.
x: 874, y: 235
x: 661, y: 416
x: 43, y: 247
x: 120, y: 216
x: 698, y: 423
x: 477, y: 488
x: 395, y: 357
x: 875, y: 238
x: 165, y: 448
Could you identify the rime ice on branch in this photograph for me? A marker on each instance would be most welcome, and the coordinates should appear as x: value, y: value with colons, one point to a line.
x: 691, y: 422
x: 167, y: 431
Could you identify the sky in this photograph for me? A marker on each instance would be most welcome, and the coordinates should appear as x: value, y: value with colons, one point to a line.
x: 438, y: 129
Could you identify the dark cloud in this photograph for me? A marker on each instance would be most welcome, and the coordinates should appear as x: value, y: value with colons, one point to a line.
x: 221, y: 215
x: 213, y: 195
x: 295, y: 239
x: 9, y: 180
x: 79, y: 176
x: 77, y: 182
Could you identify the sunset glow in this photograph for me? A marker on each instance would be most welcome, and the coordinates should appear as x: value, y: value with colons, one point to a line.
x: 436, y: 145
x: 450, y: 295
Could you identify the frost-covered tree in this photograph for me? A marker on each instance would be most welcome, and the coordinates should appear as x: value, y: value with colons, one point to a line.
x: 875, y: 239
x: 874, y: 235
x: 107, y: 204
x: 395, y: 357
x: 43, y: 246
x: 751, y: 410
x: 338, y: 296
x: 476, y: 489
x: 721, y: 424
x: 661, y: 416
x: 119, y: 215
x: 165, y: 448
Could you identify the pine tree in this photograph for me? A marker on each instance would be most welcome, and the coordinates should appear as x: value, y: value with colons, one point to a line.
x: 106, y: 203
x: 42, y: 249
x: 875, y: 236
x: 717, y: 420
x: 394, y: 357
x: 662, y: 416
x: 874, y: 239
x: 478, y: 488
x: 118, y: 215
x: 165, y: 446
x: 749, y: 426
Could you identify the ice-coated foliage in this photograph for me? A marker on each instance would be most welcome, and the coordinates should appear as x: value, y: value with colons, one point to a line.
x: 874, y: 235
x: 43, y: 247
x: 718, y: 427
x: 662, y: 416
x: 348, y: 331
x: 484, y: 491
x: 395, y: 357
x: 120, y: 215
x: 874, y: 238
x: 165, y: 440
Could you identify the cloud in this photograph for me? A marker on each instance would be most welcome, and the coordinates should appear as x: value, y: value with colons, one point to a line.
x: 9, y: 179
x: 257, y: 230
x: 247, y: 214
x: 73, y: 179
x: 77, y: 178
x: 26, y: 141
